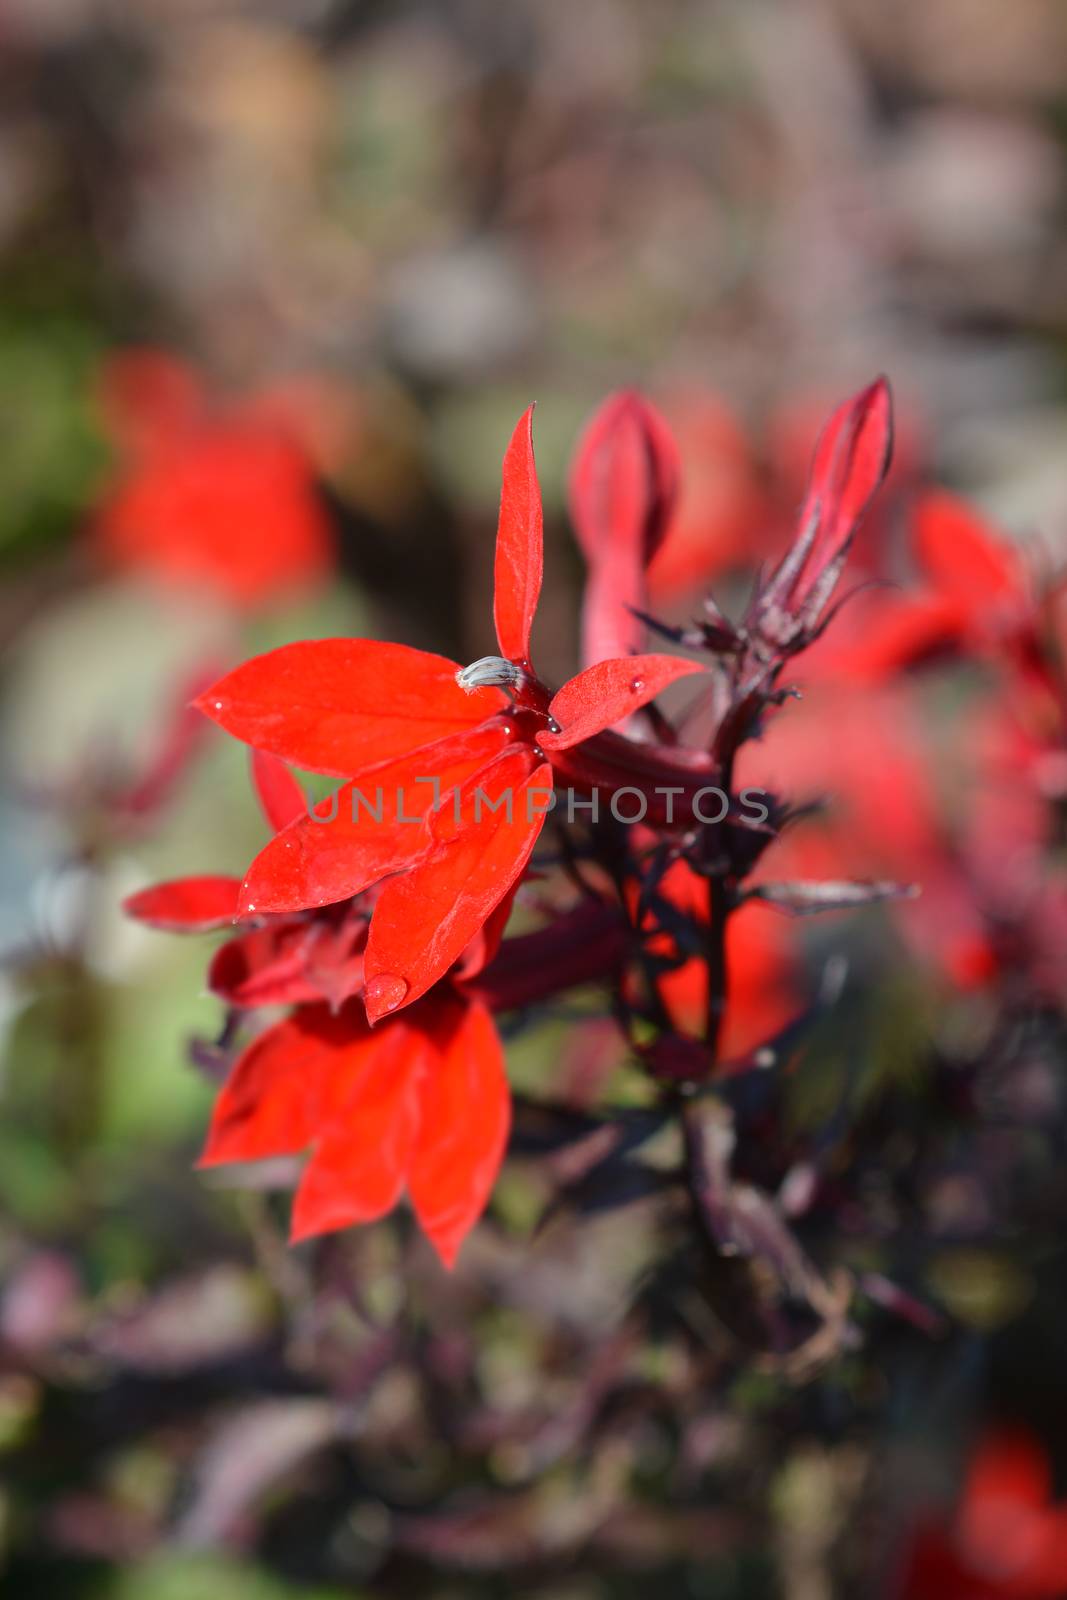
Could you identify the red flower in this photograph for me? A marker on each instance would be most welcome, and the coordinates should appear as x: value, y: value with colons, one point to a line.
x: 215, y: 499
x: 448, y: 783
x: 1007, y: 1540
x: 422, y: 1102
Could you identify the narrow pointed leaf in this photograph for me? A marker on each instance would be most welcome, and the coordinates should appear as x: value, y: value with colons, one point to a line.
x: 342, y: 706
x: 466, y: 1113
x: 605, y: 694
x: 186, y: 905
x: 519, y: 545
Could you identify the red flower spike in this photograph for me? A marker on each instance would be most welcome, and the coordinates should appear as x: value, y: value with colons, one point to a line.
x: 963, y: 559
x: 342, y: 706
x: 608, y: 692
x: 623, y: 489
x: 465, y: 1117
x: 186, y: 905
x: 280, y: 796
x: 424, y: 920
x: 368, y: 829
x: 519, y: 545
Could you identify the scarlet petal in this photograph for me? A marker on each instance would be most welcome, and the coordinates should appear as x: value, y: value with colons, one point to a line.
x: 343, y: 706
x: 186, y: 905
x: 279, y: 794
x: 465, y: 1116
x: 519, y: 545
x: 622, y: 492
x: 608, y: 692
x: 485, y: 945
x: 424, y: 919
x: 271, y: 1104
x: 367, y: 830
x: 963, y: 557
x: 359, y: 1166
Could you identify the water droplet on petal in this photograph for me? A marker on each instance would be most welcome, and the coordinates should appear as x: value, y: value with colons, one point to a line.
x: 249, y: 906
x: 553, y: 726
x: 386, y: 992
x: 218, y: 705
x: 636, y: 685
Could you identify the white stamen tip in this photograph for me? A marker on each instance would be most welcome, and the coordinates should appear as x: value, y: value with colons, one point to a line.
x: 489, y: 672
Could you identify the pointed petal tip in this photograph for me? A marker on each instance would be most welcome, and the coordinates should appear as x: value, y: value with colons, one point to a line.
x: 878, y: 398
x: 301, y: 1232
x: 207, y: 702
x: 447, y: 1252
x: 246, y: 905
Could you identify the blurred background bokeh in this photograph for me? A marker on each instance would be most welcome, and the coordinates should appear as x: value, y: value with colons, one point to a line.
x: 276, y: 279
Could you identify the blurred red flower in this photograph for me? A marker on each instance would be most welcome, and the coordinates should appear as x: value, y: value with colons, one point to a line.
x: 1007, y: 1539
x: 210, y: 497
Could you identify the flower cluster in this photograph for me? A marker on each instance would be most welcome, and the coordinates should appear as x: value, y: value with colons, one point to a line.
x: 377, y: 917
